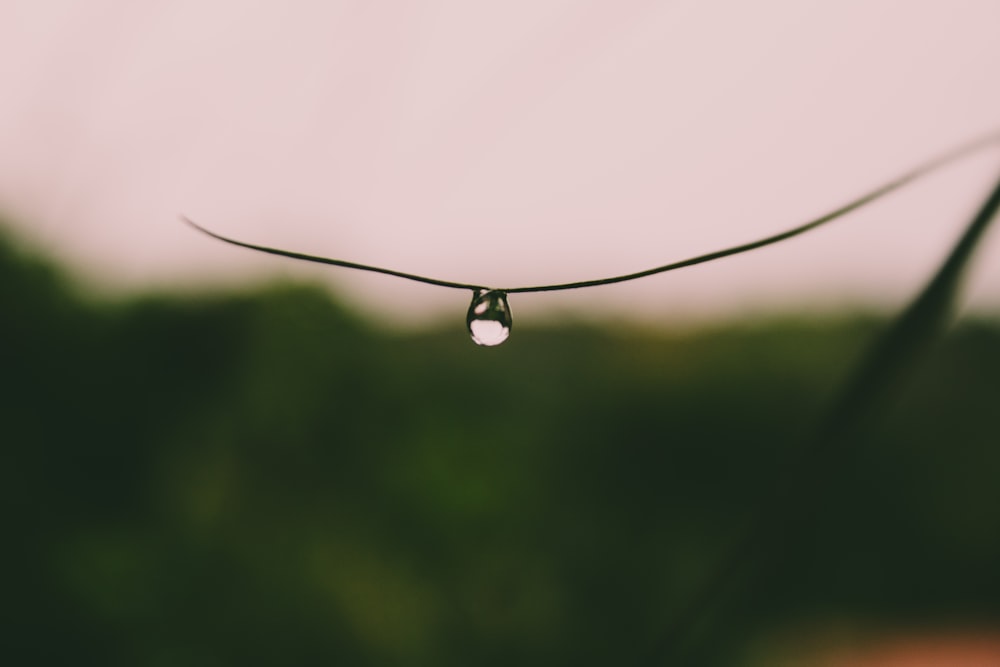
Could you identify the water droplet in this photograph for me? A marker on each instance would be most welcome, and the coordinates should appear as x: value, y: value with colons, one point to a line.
x: 488, y: 319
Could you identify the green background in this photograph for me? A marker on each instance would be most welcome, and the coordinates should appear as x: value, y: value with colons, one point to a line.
x: 263, y: 477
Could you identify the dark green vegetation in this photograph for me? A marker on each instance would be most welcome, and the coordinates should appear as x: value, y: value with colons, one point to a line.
x: 263, y: 478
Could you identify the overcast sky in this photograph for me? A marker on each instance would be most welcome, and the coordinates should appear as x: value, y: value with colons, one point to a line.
x: 502, y: 143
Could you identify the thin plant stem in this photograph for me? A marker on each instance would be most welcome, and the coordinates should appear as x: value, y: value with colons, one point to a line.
x: 931, y: 165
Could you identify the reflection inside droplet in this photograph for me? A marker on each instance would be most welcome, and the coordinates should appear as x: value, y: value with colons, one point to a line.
x: 488, y: 319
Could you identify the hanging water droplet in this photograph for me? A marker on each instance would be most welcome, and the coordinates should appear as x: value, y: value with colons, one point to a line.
x: 488, y: 319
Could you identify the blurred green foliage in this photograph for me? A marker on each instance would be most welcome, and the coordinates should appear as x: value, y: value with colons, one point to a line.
x: 265, y: 478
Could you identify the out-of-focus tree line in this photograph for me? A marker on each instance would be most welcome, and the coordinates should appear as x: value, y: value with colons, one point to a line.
x: 263, y: 477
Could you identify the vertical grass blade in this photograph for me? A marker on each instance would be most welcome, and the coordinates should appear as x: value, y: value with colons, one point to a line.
x: 901, y: 346
x: 866, y: 395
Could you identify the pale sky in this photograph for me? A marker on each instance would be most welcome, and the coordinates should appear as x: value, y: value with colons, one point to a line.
x: 501, y: 143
